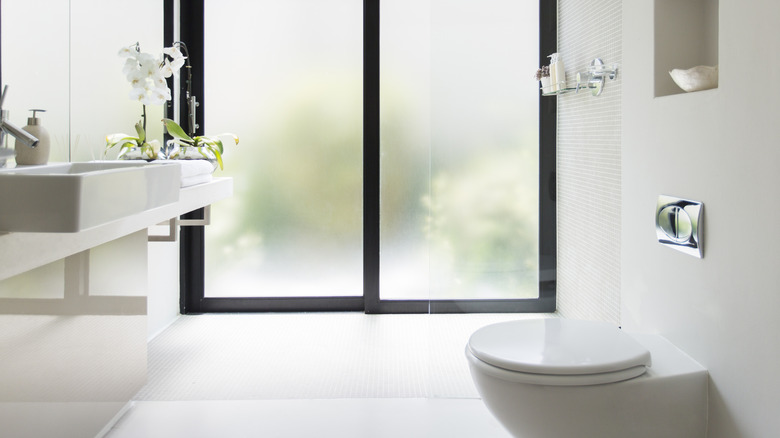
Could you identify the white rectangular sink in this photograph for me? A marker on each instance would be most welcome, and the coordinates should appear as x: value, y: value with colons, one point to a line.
x: 70, y: 197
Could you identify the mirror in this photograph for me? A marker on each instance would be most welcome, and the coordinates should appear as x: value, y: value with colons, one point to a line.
x: 62, y: 56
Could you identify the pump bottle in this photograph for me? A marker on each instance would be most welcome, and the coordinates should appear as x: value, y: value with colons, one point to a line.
x: 39, y: 154
x: 557, y: 72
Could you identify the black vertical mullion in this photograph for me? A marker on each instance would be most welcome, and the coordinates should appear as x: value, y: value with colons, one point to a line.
x: 192, y: 239
x: 548, y: 140
x: 371, y: 160
x: 192, y: 29
x: 168, y: 42
x: 192, y: 265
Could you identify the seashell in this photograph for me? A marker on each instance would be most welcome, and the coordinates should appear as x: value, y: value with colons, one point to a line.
x: 701, y: 77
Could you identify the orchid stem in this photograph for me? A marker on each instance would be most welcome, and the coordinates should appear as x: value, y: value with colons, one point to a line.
x: 143, y: 119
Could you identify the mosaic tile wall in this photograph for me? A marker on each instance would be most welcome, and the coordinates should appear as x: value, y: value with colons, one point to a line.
x: 589, y: 170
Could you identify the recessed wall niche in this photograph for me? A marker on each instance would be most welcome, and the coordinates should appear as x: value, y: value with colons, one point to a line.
x: 686, y: 35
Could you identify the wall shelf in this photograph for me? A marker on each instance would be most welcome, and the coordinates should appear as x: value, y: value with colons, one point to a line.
x: 594, y: 79
x: 555, y: 93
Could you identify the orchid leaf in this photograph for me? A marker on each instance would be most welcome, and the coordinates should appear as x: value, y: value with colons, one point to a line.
x: 122, y: 142
x: 124, y: 150
x: 175, y: 130
x: 218, y: 143
x: 213, y: 143
x: 113, y: 138
x: 141, y: 133
x: 218, y: 156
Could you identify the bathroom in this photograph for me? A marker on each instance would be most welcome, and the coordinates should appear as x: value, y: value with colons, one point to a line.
x: 637, y: 145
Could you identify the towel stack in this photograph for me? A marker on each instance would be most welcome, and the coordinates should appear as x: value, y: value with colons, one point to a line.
x: 195, y: 172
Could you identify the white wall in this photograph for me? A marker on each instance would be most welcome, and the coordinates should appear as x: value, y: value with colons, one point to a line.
x: 719, y: 147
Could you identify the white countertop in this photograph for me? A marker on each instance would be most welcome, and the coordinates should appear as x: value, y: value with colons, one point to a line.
x: 21, y: 252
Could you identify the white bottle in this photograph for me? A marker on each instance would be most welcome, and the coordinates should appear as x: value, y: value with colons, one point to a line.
x: 557, y: 72
x: 26, y: 155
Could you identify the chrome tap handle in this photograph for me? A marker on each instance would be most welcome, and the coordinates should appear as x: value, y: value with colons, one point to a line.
x: 2, y: 96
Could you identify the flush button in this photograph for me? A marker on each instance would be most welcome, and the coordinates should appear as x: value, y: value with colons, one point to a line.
x: 678, y: 224
x: 675, y: 223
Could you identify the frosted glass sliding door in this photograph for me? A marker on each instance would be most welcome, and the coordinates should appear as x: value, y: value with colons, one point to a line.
x: 459, y: 148
x: 286, y: 77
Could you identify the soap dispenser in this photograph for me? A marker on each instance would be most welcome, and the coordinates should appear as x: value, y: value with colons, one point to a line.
x: 39, y: 154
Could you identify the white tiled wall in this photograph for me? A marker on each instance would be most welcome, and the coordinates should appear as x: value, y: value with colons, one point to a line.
x: 589, y: 155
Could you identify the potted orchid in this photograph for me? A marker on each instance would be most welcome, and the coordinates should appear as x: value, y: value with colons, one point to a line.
x: 201, y: 147
x: 147, y: 75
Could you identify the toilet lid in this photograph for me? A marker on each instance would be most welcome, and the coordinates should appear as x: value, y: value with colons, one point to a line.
x: 558, y: 346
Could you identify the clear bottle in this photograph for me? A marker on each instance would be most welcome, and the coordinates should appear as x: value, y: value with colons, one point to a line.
x: 557, y: 72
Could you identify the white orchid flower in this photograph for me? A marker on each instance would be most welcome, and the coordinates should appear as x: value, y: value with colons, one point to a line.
x: 136, y: 78
x: 127, y: 52
x: 162, y: 94
x: 138, y: 94
x: 177, y: 63
x: 146, y: 58
x: 160, y: 82
x: 147, y: 73
x: 130, y: 65
x: 170, y: 68
x: 173, y: 52
x: 166, y: 69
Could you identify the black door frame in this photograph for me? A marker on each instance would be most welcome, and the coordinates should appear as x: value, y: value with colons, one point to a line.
x: 192, y: 244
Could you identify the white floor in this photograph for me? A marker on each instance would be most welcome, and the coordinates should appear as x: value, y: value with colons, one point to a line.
x: 342, y: 418
x: 349, y: 375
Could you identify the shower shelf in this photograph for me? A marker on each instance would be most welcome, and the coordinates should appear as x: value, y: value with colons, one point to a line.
x: 561, y: 91
x: 594, y: 79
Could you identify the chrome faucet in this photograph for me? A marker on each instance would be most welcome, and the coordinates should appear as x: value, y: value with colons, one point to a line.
x: 6, y: 127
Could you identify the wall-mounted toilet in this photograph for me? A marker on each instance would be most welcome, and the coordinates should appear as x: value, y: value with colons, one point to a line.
x: 561, y: 378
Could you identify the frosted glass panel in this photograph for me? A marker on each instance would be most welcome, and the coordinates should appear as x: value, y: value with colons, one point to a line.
x: 286, y: 77
x: 459, y: 126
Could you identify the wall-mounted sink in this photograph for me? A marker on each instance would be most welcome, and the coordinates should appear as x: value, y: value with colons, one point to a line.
x: 70, y: 197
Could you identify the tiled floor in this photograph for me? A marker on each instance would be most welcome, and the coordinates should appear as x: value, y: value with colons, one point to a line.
x: 342, y: 418
x: 347, y: 375
x: 313, y: 356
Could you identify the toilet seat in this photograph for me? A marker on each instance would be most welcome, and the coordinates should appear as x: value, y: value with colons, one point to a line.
x: 557, y: 351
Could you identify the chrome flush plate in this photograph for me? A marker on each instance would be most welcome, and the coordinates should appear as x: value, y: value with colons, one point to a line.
x: 678, y: 224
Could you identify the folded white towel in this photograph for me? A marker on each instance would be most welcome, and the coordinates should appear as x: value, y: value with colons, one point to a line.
x: 190, y: 168
x: 197, y: 179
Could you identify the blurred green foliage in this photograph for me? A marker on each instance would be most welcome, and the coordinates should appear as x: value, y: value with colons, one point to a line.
x: 300, y: 183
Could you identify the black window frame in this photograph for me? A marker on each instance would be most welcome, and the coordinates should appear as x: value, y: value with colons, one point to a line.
x: 192, y: 239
